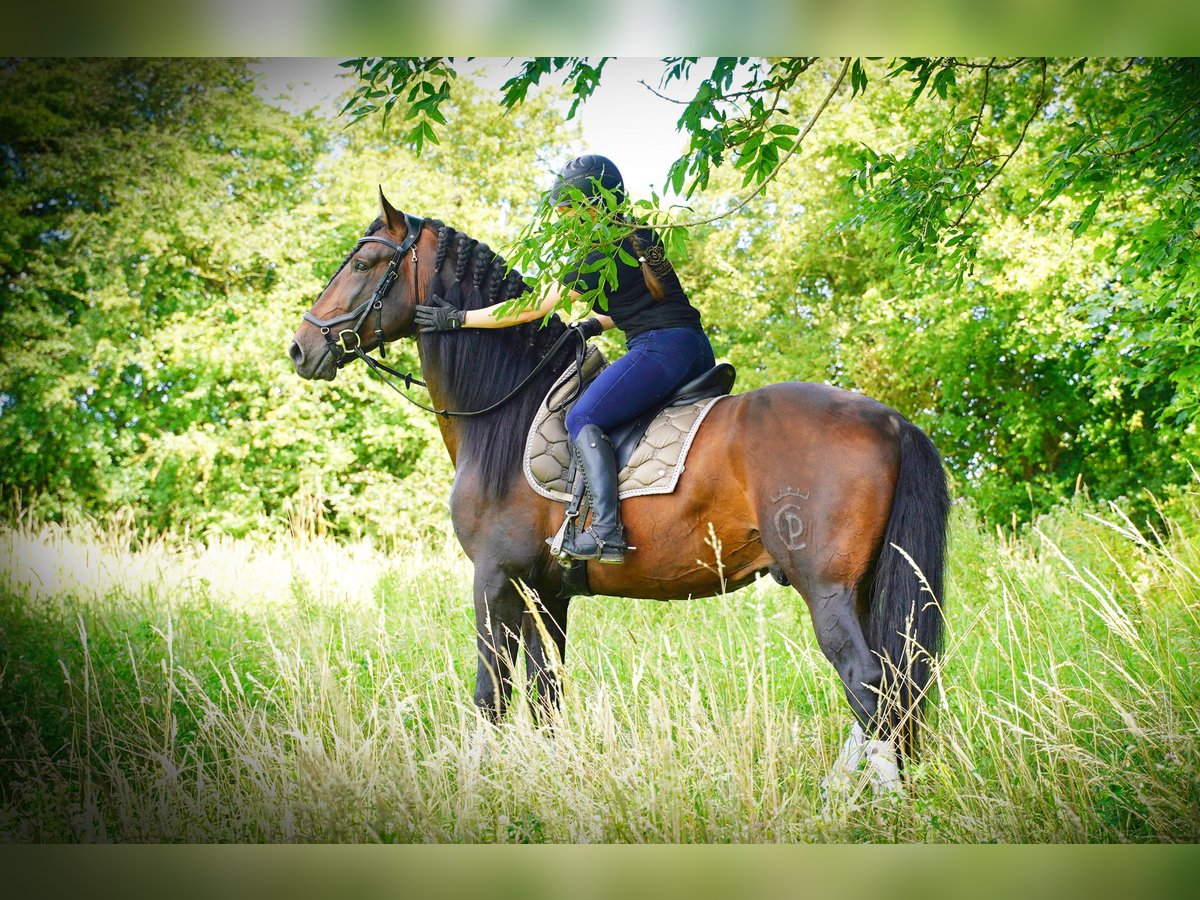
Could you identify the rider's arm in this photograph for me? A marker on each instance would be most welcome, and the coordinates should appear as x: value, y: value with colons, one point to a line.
x: 488, y: 318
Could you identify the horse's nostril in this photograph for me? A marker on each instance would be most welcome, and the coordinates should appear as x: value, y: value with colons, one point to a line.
x: 296, y: 352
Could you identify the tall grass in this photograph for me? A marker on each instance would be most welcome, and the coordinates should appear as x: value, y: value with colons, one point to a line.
x: 233, y: 691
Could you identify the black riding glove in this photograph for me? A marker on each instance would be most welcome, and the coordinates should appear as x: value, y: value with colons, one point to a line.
x: 589, y: 327
x: 439, y: 316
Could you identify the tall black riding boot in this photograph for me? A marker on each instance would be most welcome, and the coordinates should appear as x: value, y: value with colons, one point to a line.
x: 604, y: 539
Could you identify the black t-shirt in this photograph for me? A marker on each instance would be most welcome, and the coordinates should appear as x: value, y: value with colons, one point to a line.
x: 631, y: 305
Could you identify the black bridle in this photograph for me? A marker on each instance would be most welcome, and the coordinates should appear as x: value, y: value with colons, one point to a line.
x: 343, y: 351
x: 341, y: 347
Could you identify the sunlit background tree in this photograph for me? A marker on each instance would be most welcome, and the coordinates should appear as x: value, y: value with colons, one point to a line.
x: 1003, y: 249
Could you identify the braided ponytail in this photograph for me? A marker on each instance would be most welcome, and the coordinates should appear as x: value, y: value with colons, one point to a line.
x: 495, y: 280
x: 654, y: 264
x: 482, y: 264
x: 514, y: 285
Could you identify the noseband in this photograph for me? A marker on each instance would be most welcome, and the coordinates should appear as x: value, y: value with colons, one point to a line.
x: 346, y: 345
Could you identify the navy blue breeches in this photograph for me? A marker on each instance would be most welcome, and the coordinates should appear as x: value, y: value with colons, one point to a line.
x: 658, y: 361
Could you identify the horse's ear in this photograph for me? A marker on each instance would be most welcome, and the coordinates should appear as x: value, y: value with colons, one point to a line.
x: 393, y: 217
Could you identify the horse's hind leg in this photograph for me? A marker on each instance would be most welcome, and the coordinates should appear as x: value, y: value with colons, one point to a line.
x: 835, y: 603
x: 840, y: 634
x: 834, y: 610
x: 544, y: 633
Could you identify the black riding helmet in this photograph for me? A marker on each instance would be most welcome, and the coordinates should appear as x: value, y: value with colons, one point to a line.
x: 583, y: 173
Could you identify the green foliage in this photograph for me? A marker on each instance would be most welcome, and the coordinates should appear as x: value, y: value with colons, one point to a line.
x: 1004, y: 250
x: 158, y: 254
x: 427, y: 80
x: 130, y: 193
x: 582, y: 79
x: 552, y: 244
x: 1121, y: 137
x: 1016, y: 347
x: 1101, y: 154
x: 1091, y: 342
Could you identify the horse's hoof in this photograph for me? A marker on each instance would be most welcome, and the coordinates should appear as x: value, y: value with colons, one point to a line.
x: 882, y: 770
x: 882, y: 765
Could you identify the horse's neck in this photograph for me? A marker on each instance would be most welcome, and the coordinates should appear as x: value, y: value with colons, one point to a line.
x: 440, y: 398
x: 493, y: 443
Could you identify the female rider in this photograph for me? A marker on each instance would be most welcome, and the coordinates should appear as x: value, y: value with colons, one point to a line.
x: 666, y: 348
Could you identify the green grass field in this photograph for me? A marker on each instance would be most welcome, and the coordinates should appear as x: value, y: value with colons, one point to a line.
x: 313, y: 691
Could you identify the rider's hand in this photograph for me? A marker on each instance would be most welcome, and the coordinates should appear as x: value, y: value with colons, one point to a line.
x: 592, y: 327
x: 439, y: 316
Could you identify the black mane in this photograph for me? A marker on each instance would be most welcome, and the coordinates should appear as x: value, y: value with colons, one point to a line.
x: 477, y: 367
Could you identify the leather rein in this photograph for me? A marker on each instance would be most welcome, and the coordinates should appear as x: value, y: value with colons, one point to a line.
x: 348, y: 344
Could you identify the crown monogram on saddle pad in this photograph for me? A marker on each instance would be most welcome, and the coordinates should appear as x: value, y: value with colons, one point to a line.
x: 649, y: 464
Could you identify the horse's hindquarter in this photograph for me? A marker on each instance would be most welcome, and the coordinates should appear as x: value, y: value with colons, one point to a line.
x: 794, y: 472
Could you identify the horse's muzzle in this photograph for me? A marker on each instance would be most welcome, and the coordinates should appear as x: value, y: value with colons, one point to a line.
x: 318, y: 366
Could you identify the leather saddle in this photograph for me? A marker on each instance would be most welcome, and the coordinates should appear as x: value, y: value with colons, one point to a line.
x: 716, y: 382
x: 651, y: 450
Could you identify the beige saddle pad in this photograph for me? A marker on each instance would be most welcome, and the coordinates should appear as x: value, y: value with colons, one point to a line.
x: 656, y: 463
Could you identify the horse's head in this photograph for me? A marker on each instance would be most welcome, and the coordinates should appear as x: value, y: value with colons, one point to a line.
x: 370, y: 299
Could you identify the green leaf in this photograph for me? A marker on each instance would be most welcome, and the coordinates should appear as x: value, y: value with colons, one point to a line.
x: 858, y: 78
x: 1080, y: 225
x: 943, y: 81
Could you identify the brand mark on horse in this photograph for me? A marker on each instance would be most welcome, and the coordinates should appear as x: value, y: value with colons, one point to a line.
x: 788, y: 520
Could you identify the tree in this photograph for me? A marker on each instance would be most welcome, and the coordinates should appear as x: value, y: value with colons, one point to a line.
x: 127, y: 207
x: 164, y: 228
x: 1002, y: 369
x: 1013, y: 240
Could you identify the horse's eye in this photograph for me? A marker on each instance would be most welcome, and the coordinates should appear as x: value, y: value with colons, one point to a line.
x: 360, y: 266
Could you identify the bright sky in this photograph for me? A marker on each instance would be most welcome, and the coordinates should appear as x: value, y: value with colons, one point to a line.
x: 623, y: 120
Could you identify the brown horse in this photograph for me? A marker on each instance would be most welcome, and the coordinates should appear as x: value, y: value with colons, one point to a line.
x: 828, y: 490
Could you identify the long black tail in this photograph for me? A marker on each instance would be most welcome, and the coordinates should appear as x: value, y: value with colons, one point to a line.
x: 905, y: 622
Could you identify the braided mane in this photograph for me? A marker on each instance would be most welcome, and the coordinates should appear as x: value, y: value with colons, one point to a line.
x: 477, y: 366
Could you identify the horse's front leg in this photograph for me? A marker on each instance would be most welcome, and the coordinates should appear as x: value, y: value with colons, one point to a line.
x: 544, y: 631
x: 499, y: 610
